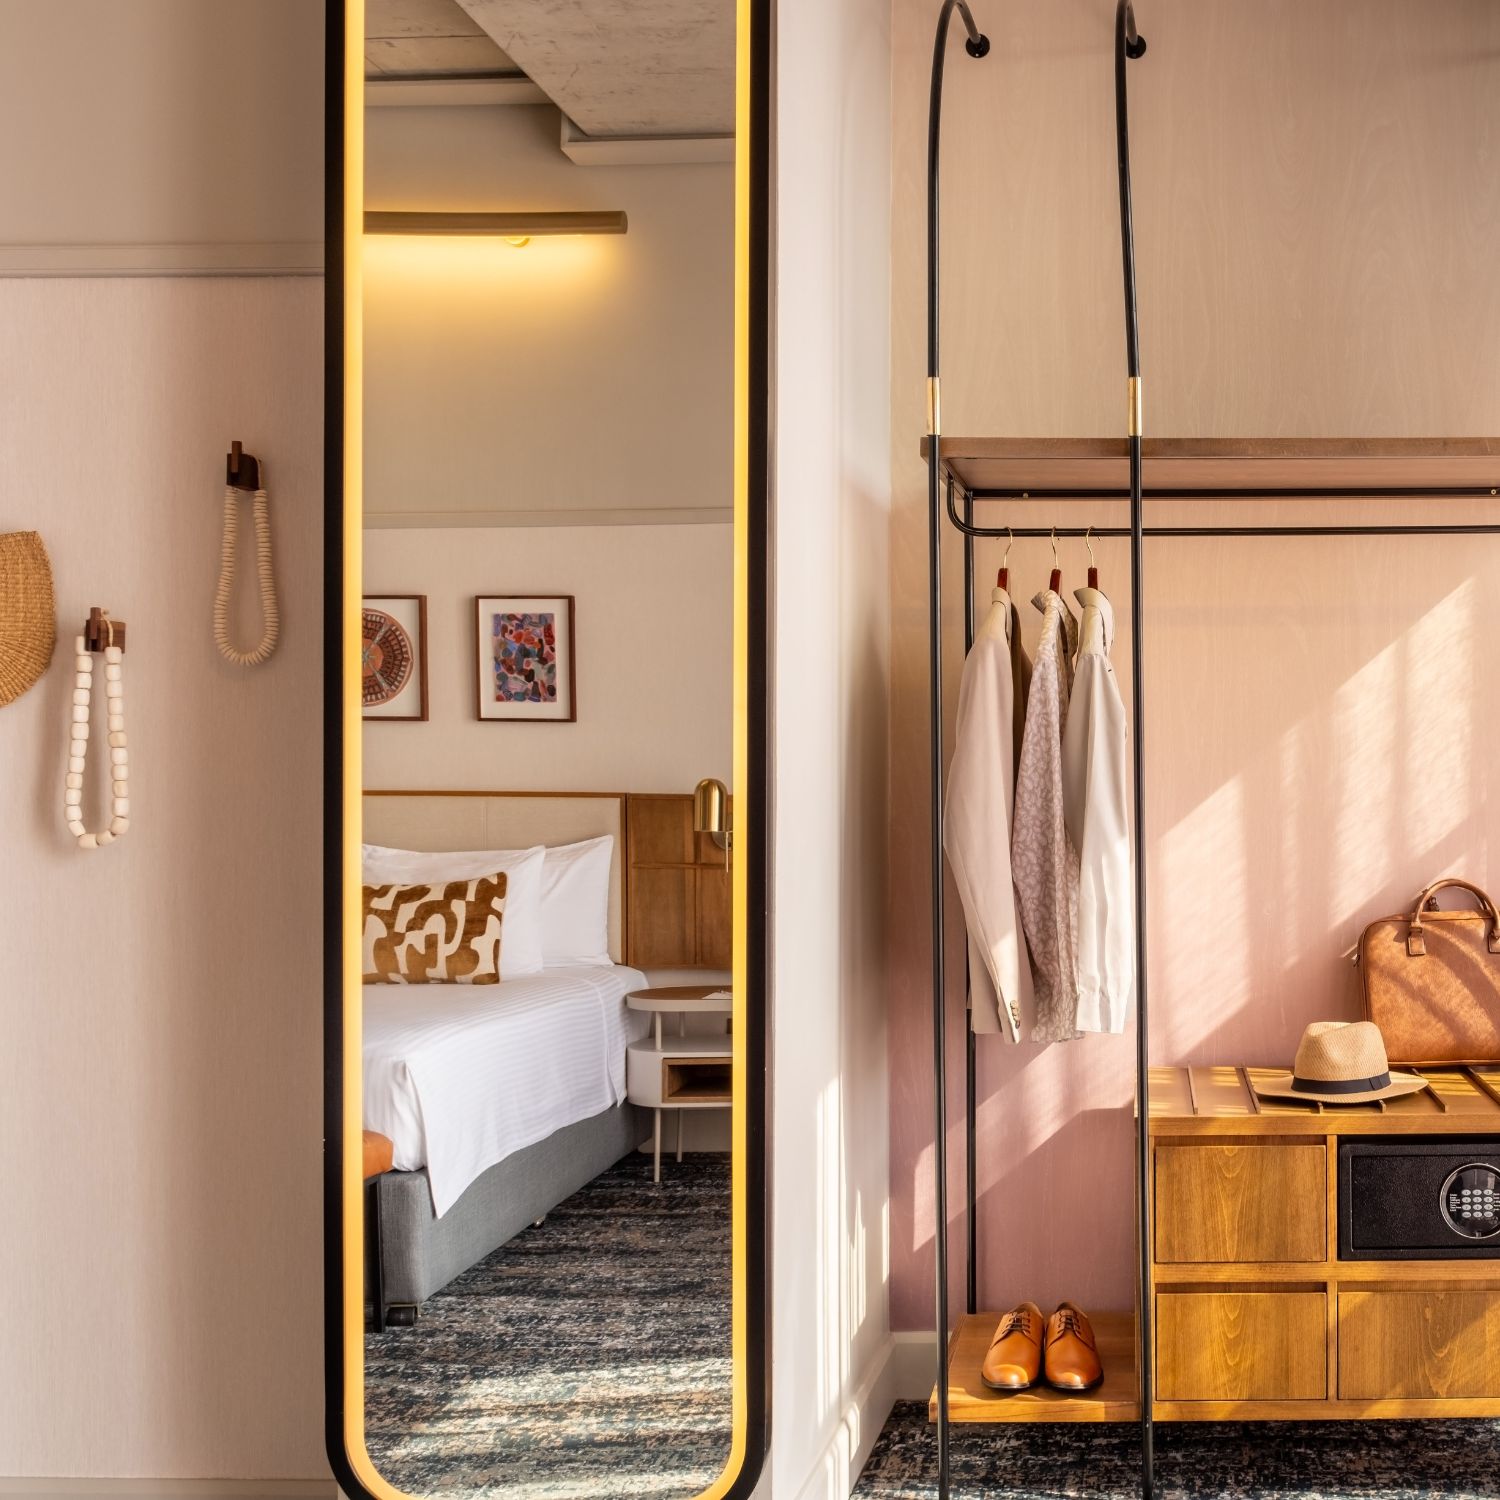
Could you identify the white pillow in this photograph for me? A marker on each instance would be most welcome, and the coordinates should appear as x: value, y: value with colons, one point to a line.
x: 521, y: 932
x: 575, y: 902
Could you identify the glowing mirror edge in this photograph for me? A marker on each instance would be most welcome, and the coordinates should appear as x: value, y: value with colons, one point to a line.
x: 353, y: 584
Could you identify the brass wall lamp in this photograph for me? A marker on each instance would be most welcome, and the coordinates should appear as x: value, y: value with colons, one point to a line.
x: 515, y: 228
x: 711, y: 813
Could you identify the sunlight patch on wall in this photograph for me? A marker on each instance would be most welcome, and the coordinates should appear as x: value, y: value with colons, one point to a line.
x: 1441, y: 680
x: 832, y: 1354
x: 1202, y: 894
x: 1401, y: 748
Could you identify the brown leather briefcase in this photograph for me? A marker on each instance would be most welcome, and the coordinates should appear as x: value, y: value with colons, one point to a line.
x: 1432, y: 980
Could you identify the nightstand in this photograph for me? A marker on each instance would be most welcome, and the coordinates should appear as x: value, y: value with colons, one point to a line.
x: 679, y: 1072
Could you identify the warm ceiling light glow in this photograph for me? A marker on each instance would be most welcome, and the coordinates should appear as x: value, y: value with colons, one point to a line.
x: 514, y: 227
x: 424, y: 274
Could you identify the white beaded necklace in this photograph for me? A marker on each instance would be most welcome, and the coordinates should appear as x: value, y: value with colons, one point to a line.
x: 78, y: 748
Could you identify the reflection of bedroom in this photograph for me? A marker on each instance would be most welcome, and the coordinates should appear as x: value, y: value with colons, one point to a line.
x: 547, y: 571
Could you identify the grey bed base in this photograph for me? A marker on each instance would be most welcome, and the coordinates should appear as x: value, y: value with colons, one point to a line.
x: 420, y: 1253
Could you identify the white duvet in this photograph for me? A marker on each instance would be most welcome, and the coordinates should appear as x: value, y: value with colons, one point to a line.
x: 461, y: 1076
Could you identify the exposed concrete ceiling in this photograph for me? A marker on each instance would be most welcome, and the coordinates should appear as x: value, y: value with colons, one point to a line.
x: 623, y: 67
x: 428, y: 39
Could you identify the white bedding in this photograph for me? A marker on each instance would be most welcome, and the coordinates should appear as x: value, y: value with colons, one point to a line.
x: 462, y: 1076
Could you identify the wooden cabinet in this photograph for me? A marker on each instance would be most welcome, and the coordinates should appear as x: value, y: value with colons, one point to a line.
x: 1420, y: 1345
x: 1249, y: 1202
x: 1241, y: 1346
x: 677, y: 888
x: 1257, y: 1316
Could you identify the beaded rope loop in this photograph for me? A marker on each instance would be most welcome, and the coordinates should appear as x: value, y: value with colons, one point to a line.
x: 78, y: 747
x: 270, y: 614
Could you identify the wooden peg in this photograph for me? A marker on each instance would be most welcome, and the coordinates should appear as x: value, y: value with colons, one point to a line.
x: 241, y: 469
x: 101, y: 630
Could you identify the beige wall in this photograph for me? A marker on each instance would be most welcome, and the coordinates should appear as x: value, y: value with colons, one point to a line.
x: 832, y: 1371
x: 169, y: 135
x: 1316, y: 210
x: 654, y: 654
x: 161, y: 999
x: 576, y: 378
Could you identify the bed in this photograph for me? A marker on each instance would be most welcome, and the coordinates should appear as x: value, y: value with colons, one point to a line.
x: 462, y: 1076
x: 500, y: 1101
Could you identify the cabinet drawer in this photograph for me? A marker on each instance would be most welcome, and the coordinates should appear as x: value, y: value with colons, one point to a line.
x: 1419, y: 1345
x: 1241, y: 1203
x: 1241, y: 1346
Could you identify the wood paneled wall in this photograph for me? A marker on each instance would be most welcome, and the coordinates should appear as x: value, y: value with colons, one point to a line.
x: 677, y: 888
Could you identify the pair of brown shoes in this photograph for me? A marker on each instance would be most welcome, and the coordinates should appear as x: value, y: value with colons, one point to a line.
x: 1024, y: 1348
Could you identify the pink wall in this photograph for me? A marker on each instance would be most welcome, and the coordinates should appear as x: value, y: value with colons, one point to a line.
x: 1319, y: 713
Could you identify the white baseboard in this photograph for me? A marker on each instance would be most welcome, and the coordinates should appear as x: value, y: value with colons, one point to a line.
x: 171, y: 1489
x: 837, y: 1468
x: 914, y: 1362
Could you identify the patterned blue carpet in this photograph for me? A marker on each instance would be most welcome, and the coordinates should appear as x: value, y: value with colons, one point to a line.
x: 1240, y: 1461
x: 589, y: 1356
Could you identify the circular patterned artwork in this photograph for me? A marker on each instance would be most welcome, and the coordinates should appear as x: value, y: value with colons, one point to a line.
x: 386, y: 657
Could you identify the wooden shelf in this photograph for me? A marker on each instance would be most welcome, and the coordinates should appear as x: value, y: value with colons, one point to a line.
x: 1221, y: 463
x: 1221, y: 1101
x: 971, y: 1400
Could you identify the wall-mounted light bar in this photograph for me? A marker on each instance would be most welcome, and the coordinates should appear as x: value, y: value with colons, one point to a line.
x: 505, y: 226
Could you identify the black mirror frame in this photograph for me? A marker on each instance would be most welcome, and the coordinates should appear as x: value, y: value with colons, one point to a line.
x: 754, y: 804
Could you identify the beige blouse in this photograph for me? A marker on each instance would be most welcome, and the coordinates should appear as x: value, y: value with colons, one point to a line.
x: 977, y: 821
x: 1095, y: 810
x: 1044, y: 860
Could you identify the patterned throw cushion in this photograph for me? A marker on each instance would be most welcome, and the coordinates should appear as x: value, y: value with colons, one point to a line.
x: 434, y: 934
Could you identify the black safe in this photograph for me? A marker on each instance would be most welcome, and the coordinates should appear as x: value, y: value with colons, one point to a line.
x: 1433, y: 1198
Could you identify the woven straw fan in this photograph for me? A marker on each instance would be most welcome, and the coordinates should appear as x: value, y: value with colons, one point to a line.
x: 28, y: 617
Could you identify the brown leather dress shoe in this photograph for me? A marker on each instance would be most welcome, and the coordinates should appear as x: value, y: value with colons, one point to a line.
x: 1071, y: 1360
x: 1015, y: 1357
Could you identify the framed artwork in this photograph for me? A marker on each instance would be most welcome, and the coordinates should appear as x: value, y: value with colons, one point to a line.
x: 524, y: 658
x: 393, y: 656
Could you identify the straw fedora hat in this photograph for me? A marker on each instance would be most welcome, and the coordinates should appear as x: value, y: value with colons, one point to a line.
x: 28, y: 616
x: 1340, y: 1062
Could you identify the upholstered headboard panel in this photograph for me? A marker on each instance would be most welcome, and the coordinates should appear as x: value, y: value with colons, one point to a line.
x: 432, y: 821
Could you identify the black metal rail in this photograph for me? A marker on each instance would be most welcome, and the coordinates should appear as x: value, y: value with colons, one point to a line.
x: 1129, y: 45
x: 977, y: 45
x: 1305, y: 492
x: 971, y: 1070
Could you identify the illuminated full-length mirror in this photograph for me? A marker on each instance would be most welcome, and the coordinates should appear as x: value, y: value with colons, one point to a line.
x: 549, y: 1177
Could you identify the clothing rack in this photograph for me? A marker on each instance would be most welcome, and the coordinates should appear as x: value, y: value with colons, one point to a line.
x: 964, y: 474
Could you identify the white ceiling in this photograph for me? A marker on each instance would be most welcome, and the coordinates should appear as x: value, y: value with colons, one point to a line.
x: 428, y: 39
x: 623, y: 67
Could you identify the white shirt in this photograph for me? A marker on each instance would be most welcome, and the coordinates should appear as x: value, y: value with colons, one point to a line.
x: 1093, y: 759
x: 977, y: 828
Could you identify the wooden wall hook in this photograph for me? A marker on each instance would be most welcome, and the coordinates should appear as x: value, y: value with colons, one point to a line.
x: 241, y: 469
x: 99, y: 631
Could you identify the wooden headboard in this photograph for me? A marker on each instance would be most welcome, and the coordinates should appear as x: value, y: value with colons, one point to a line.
x: 669, y: 899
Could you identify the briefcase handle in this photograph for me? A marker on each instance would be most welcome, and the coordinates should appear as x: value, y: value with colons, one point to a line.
x: 1416, y: 944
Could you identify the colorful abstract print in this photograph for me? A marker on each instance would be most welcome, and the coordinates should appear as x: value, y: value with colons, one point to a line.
x: 525, y: 651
